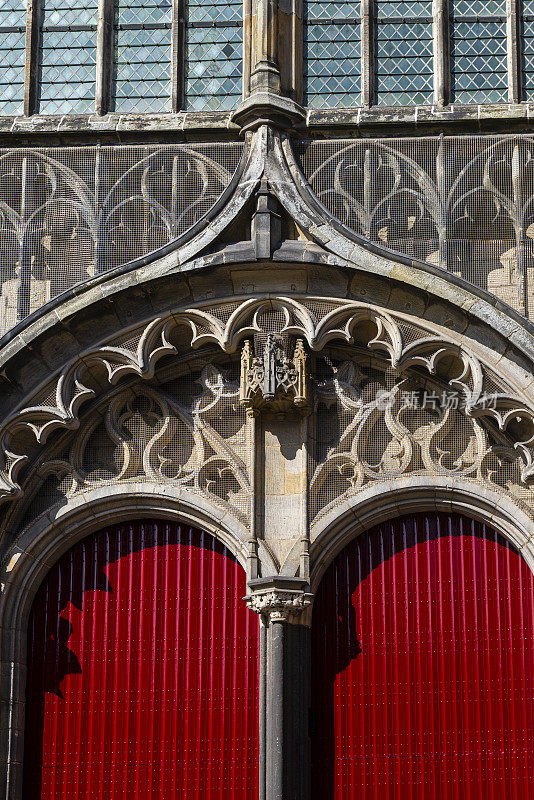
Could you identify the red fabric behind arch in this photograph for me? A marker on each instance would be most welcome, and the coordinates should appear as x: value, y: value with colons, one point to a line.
x: 423, y: 666
x: 143, y: 671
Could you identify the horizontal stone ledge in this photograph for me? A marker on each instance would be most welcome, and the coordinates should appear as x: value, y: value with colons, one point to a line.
x: 119, y: 127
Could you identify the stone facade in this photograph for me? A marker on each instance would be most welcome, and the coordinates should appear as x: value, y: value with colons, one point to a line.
x: 273, y: 375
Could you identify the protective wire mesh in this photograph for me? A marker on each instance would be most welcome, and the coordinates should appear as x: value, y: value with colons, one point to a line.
x: 68, y: 214
x: 464, y: 203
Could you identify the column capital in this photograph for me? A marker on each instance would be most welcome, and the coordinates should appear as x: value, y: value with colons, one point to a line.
x: 268, y: 108
x: 279, y: 598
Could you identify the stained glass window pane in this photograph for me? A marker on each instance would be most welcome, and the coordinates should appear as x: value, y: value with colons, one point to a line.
x: 528, y: 49
x: 68, y: 56
x: 214, y: 53
x: 478, y: 51
x: 404, y: 64
x: 143, y: 55
x: 12, y: 55
x: 332, y: 68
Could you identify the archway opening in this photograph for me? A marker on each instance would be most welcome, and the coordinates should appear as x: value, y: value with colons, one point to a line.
x: 423, y: 665
x: 142, y: 671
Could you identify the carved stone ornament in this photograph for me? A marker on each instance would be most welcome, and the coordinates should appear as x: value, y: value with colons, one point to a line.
x: 273, y: 380
x: 279, y: 599
x: 191, y: 435
x: 363, y: 368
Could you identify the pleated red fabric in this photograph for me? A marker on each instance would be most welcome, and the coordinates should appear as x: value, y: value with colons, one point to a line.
x: 143, y: 671
x: 423, y: 666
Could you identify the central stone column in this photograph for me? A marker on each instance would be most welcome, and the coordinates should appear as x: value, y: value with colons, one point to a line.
x: 272, y: 28
x: 284, y: 607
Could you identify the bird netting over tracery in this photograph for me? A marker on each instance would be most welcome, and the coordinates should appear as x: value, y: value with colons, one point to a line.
x: 68, y: 214
x: 463, y: 203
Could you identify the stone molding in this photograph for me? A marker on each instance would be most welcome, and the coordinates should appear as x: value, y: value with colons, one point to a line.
x: 410, y: 495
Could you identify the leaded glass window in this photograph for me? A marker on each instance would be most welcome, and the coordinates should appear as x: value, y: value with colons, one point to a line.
x: 404, y: 66
x: 478, y: 51
x: 142, y: 79
x: 68, y: 56
x: 213, y: 54
x: 332, y: 69
x: 528, y: 49
x: 12, y: 55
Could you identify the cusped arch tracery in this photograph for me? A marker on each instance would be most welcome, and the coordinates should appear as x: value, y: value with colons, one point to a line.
x: 390, y: 398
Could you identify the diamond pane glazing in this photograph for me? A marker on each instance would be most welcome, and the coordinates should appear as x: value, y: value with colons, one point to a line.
x: 404, y: 57
x: 68, y: 57
x: 12, y: 13
x: 12, y: 55
x: 528, y: 49
x: 142, y: 55
x: 68, y: 62
x: 478, y: 51
x: 400, y: 9
x: 207, y: 11
x: 478, y: 8
x: 332, y: 69
x: 143, y: 12
x: 213, y: 55
x: 69, y: 12
x: 404, y: 63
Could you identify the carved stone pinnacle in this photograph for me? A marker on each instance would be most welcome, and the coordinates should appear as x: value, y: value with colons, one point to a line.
x: 273, y: 381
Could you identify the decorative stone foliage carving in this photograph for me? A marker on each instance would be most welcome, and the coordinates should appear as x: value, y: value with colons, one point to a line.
x: 279, y: 599
x: 57, y: 405
x: 376, y: 425
x: 362, y: 364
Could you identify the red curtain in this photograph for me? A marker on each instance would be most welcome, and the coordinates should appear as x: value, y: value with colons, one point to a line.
x: 423, y: 666
x: 143, y: 671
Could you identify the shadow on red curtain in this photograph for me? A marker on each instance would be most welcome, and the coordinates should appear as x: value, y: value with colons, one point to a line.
x: 423, y: 666
x: 143, y: 671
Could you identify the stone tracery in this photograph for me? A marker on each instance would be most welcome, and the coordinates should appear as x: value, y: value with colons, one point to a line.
x: 126, y: 412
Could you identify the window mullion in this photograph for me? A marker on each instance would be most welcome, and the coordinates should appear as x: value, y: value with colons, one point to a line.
x: 367, y: 53
x: 178, y: 55
x: 247, y: 46
x: 513, y: 50
x: 442, y: 69
x: 104, y: 57
x: 31, y: 76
